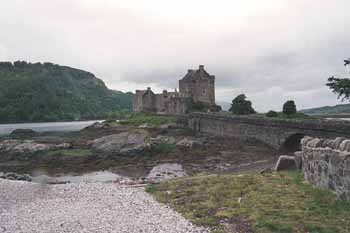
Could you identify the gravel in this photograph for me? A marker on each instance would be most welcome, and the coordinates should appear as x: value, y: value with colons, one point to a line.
x: 85, y: 207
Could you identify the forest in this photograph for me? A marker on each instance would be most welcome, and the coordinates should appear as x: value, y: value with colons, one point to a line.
x: 42, y: 92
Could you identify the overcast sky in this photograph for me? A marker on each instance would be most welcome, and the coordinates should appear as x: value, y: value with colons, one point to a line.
x: 271, y: 50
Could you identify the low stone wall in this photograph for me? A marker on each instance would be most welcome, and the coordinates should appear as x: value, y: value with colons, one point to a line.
x: 326, y: 164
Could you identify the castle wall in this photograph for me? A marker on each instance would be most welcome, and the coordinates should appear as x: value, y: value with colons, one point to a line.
x: 176, y: 105
x: 137, y: 101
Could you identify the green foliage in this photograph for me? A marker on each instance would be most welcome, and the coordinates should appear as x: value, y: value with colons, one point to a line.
x: 271, y: 114
x: 340, y: 86
x: 137, y: 119
x: 276, y: 202
x: 289, y: 107
x: 164, y: 148
x: 241, y: 106
x: 48, y: 92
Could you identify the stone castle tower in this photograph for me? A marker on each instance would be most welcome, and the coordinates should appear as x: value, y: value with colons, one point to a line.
x: 197, y: 86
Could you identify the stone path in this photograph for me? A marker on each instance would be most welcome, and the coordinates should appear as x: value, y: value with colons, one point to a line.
x: 84, y: 207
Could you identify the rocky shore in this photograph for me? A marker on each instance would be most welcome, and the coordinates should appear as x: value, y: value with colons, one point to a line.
x: 85, y: 207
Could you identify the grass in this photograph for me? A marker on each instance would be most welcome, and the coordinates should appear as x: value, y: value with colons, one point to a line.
x: 137, y: 119
x: 277, y: 202
x: 70, y: 152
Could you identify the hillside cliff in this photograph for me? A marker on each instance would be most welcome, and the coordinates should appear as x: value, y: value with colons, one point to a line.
x: 50, y: 92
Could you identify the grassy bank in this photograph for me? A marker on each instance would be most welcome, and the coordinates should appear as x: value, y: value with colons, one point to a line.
x: 137, y: 119
x: 260, y: 203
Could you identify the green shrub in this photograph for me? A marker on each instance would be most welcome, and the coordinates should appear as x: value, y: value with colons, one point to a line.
x: 272, y: 113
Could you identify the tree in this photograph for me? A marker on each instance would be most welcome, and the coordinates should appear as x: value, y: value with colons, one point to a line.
x: 272, y: 113
x: 340, y: 86
x: 241, y: 106
x: 289, y: 107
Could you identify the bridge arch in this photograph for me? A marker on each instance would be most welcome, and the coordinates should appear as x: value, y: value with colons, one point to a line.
x: 291, y: 143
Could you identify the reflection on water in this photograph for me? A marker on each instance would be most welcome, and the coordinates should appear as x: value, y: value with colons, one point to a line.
x: 46, y: 127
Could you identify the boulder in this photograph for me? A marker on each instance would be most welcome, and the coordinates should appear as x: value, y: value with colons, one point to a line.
x: 126, y: 143
x: 186, y: 142
x: 285, y: 162
x: 23, y: 133
x: 96, y: 125
x: 166, y: 171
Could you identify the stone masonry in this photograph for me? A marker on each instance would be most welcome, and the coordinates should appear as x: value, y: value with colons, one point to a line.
x: 326, y: 164
x: 197, y: 86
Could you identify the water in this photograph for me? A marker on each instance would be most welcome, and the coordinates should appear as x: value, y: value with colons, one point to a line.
x: 46, y: 127
x: 344, y: 119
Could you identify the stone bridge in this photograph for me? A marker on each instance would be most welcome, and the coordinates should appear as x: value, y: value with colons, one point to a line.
x: 282, y: 134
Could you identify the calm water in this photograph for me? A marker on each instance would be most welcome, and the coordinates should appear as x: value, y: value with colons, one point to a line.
x: 46, y: 127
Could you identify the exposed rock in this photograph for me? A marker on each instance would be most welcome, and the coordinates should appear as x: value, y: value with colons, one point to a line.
x: 15, y: 176
x: 28, y: 146
x: 126, y: 143
x: 192, y: 142
x: 96, y: 125
x: 17, y: 146
x: 146, y: 126
x: 169, y: 126
x: 23, y: 133
x: 186, y: 142
x: 285, y: 162
x: 63, y: 146
x: 166, y: 171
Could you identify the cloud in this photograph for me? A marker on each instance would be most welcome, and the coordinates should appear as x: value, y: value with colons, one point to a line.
x: 271, y: 50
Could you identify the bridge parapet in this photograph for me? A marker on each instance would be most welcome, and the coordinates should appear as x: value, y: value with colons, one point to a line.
x: 273, y: 131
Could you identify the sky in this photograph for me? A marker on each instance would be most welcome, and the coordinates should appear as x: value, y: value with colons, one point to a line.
x: 271, y: 50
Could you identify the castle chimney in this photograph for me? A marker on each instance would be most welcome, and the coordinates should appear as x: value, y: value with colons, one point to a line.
x: 148, y: 88
x: 201, y: 67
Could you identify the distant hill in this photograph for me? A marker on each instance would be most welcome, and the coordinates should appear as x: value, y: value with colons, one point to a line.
x: 49, y: 92
x: 328, y: 110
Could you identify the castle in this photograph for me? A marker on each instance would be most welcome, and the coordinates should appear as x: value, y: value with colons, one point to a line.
x: 197, y: 88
